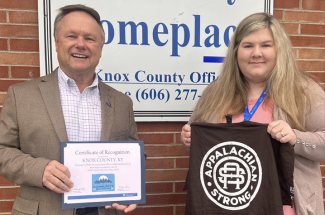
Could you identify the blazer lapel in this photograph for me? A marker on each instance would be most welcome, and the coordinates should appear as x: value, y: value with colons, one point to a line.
x: 51, y: 95
x: 107, y: 103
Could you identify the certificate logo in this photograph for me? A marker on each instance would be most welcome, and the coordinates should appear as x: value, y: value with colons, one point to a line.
x: 103, y: 182
x: 231, y: 175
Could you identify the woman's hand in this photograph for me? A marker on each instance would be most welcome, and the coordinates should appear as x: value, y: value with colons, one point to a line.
x: 186, y: 135
x: 281, y: 131
x: 124, y: 208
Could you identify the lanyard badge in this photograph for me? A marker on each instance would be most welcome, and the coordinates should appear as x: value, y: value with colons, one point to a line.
x: 248, y: 114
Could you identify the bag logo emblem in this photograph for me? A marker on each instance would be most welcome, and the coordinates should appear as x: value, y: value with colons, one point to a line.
x: 231, y: 175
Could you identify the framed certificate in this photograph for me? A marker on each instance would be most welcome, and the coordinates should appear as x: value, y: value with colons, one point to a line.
x: 104, y: 173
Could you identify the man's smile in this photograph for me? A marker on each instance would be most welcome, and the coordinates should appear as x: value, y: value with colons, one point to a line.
x: 79, y: 56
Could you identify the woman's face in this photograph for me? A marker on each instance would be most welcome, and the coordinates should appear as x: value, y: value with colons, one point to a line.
x: 256, y: 56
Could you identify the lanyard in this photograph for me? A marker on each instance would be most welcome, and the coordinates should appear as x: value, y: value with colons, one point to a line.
x: 248, y: 115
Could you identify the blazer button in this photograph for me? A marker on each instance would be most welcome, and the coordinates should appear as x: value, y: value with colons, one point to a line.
x: 307, y: 144
x: 313, y: 146
x: 303, y: 143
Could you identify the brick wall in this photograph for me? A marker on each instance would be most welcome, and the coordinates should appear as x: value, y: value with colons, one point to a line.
x: 167, y: 161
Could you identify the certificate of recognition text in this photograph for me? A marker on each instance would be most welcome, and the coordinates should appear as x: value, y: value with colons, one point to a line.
x: 104, y: 173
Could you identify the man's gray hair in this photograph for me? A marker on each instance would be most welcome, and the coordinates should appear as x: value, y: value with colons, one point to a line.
x: 76, y: 7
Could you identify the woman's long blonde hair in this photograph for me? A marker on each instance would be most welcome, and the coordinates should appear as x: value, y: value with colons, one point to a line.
x: 286, y: 82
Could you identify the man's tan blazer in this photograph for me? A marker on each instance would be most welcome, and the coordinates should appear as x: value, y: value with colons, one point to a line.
x: 31, y: 129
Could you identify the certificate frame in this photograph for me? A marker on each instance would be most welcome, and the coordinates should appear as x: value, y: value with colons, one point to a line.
x: 104, y: 197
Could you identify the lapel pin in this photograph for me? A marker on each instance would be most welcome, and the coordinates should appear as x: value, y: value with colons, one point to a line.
x: 109, y: 104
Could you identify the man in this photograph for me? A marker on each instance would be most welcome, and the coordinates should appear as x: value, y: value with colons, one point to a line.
x: 70, y: 104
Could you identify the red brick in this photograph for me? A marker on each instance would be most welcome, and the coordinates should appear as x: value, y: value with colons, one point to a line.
x: 178, y: 138
x: 291, y: 28
x: 159, y: 187
x: 163, y: 199
x: 179, y: 187
x: 312, y: 65
x: 180, y: 210
x: 3, y: 16
x: 9, y: 193
x: 322, y: 169
x: 5, y: 182
x: 313, y: 5
x: 18, y: 30
x: 298, y: 16
x: 6, y: 206
x: 4, y: 72
x: 2, y: 100
x: 159, y: 151
x: 160, y: 126
x: 25, y: 72
x: 24, y: 45
x: 320, y: 76
x: 292, y: 4
x: 157, y: 138
x: 5, y: 84
x: 311, y: 53
x: 165, y: 175
x: 278, y: 14
x: 12, y: 4
x: 307, y: 41
x: 182, y: 162
x: 312, y: 29
x: 3, y: 44
x: 160, y: 163
x: 23, y: 17
x: 19, y: 58
x: 152, y: 211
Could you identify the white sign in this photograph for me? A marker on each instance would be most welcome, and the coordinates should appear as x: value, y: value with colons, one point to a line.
x: 160, y: 53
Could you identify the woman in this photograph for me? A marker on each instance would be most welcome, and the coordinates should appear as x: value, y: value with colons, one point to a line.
x: 260, y: 61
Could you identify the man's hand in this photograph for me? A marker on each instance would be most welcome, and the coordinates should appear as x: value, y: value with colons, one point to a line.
x: 124, y: 208
x: 56, y: 177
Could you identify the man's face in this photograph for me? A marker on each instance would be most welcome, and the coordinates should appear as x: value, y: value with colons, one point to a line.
x: 78, y: 44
